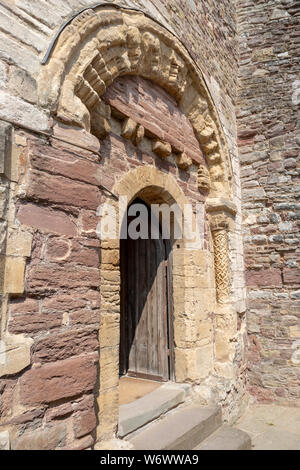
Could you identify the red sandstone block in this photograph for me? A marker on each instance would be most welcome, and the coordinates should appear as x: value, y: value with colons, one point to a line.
x: 27, y: 305
x: 264, y: 278
x: 60, y: 346
x: 84, y: 420
x: 61, y: 190
x: 33, y: 323
x: 61, y: 250
x: 72, y: 301
x: 7, y: 405
x: 59, y: 380
x: 43, y: 278
x: 291, y: 276
x: 59, y: 412
x: 84, y: 317
x: 81, y: 444
x: 262, y: 395
x: 85, y: 255
x: 88, y: 221
x: 76, y: 135
x: 57, y: 162
x: 57, y: 249
x: 46, y: 219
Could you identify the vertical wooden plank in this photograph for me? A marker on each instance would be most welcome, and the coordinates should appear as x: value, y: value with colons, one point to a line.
x: 146, y: 304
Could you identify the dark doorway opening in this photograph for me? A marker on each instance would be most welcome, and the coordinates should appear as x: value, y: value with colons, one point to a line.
x: 146, y: 342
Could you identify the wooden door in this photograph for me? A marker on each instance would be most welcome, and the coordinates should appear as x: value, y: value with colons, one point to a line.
x: 146, y: 309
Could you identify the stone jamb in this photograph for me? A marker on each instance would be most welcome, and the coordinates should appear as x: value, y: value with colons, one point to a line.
x: 148, y: 182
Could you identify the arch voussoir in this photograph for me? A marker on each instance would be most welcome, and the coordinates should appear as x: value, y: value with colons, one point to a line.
x: 100, y: 45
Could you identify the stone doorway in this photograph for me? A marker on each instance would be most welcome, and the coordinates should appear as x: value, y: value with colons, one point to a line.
x: 146, y: 340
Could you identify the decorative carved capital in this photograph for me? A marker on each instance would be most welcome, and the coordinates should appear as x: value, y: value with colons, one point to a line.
x: 221, y: 213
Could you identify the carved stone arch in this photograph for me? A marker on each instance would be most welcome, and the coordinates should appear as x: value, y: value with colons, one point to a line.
x: 104, y: 43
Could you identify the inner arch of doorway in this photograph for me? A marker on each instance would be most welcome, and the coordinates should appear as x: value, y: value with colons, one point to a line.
x: 152, y: 186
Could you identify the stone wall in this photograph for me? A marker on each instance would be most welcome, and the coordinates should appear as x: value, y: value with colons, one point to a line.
x: 269, y: 138
x: 54, y: 188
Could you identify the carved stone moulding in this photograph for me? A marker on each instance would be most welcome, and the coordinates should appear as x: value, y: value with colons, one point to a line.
x: 221, y: 213
x: 102, y: 44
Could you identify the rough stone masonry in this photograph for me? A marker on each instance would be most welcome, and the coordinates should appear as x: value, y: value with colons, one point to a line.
x: 196, y: 101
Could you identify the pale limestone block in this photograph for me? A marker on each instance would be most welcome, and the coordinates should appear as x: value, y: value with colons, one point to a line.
x: 14, y: 275
x: 109, y: 366
x: 204, y: 361
x: 14, y: 354
x: 113, y: 444
x: 185, y: 365
x: 295, y: 331
x: 16, y: 110
x: 4, y: 440
x: 18, y: 243
x: 108, y: 405
x: 16, y: 53
x: 20, y: 140
x: 226, y: 370
x: 109, y: 332
x: 11, y: 25
x: 223, y: 347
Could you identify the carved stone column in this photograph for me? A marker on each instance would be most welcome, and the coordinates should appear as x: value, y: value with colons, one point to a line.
x: 221, y: 265
x: 221, y: 214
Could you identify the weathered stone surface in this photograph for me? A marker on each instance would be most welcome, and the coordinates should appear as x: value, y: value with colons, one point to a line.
x: 264, y: 278
x: 61, y: 190
x: 57, y: 347
x: 47, y: 278
x: 162, y: 149
x: 4, y: 440
x: 48, y: 438
x: 84, y: 420
x: 46, y: 219
x: 45, y: 158
x: 34, y: 322
x: 14, y: 354
x: 21, y: 112
x: 5, y: 146
x: 22, y: 84
x: 59, y: 380
x: 14, y: 275
x: 268, y: 125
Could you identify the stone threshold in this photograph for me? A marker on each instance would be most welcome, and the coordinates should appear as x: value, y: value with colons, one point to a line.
x: 138, y: 413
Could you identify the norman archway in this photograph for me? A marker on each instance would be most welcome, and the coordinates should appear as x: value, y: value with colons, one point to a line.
x: 102, y: 44
x: 95, y: 50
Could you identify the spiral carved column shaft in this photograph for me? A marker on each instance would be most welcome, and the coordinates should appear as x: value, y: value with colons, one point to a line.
x: 221, y: 264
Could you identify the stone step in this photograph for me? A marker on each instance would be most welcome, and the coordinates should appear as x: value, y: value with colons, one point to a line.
x: 182, y: 429
x: 133, y: 416
x: 226, y: 438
